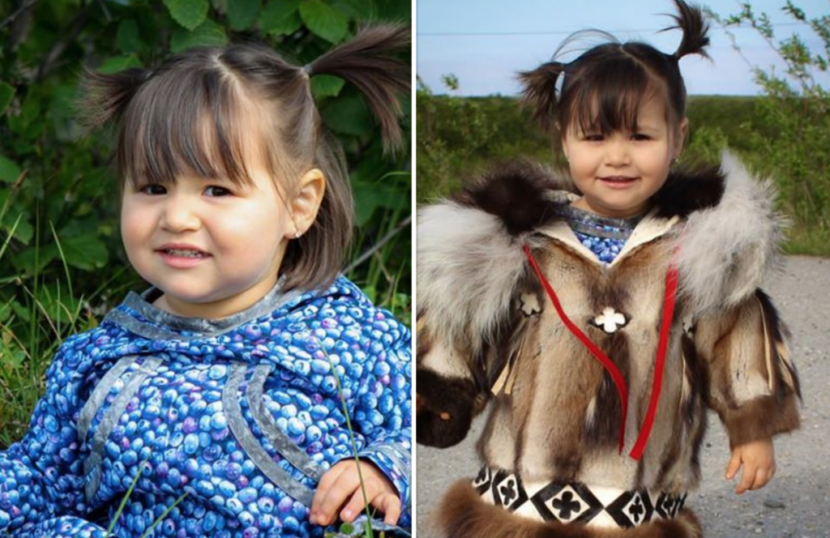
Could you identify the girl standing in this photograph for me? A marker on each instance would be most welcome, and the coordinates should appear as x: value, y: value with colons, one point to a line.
x: 603, y: 314
x: 223, y: 382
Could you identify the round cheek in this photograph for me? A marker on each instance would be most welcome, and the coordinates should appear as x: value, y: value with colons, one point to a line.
x: 254, y: 235
x: 130, y: 227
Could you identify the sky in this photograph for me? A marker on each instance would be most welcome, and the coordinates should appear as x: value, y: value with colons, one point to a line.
x: 485, y: 42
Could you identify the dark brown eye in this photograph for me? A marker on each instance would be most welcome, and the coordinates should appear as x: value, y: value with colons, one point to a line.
x: 153, y: 189
x: 216, y: 191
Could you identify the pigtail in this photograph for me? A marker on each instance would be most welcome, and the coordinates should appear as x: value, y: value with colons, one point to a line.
x: 106, y: 97
x: 539, y: 92
x: 695, y: 28
x: 368, y: 62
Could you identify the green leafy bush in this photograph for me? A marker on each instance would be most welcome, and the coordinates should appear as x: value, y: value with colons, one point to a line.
x: 61, y: 261
x: 793, y: 118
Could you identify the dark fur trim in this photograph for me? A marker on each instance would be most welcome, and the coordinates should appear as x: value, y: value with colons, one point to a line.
x: 605, y: 428
x: 514, y: 192
x: 438, y: 394
x: 462, y: 514
x: 687, y: 191
x: 780, y: 333
x: 761, y: 418
x: 695, y: 408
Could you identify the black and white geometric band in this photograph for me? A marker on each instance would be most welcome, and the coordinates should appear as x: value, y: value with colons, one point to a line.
x: 575, y: 502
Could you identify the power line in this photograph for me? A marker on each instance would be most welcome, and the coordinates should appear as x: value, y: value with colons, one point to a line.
x: 569, y: 32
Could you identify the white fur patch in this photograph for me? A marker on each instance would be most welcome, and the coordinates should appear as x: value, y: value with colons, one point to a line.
x: 468, y: 267
x: 442, y: 360
x: 725, y: 251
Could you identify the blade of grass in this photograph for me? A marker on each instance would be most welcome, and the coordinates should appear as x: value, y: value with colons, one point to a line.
x: 369, y: 533
x: 62, y: 257
x: 126, y: 497
x: 164, y: 514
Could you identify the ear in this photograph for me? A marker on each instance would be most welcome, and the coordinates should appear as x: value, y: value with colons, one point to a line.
x: 681, y: 137
x: 307, y: 199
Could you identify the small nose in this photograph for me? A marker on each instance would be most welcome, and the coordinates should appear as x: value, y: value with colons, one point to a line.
x: 180, y: 214
x: 618, y: 151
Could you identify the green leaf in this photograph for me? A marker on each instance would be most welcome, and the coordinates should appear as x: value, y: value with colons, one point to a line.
x: 280, y: 17
x: 128, y: 37
x: 9, y: 171
x: 209, y: 34
x: 28, y: 123
x: 326, y: 86
x: 23, y: 229
x: 24, y: 261
x: 242, y: 14
x: 393, y: 10
x: 356, y: 9
x: 119, y: 63
x: 85, y: 251
x: 189, y: 13
x: 369, y: 197
x: 346, y: 528
x: 6, y: 94
x: 324, y: 21
x: 348, y: 115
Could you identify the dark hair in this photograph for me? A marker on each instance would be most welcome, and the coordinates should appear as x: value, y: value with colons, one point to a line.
x: 603, y: 88
x: 192, y: 113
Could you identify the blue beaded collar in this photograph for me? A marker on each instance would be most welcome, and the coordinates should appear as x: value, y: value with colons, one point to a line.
x: 588, y: 223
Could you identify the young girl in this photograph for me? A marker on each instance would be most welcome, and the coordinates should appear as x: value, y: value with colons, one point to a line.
x: 222, y: 383
x: 601, y: 315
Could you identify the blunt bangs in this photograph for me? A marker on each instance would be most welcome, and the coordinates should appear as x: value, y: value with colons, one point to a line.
x: 605, y: 93
x: 190, y: 118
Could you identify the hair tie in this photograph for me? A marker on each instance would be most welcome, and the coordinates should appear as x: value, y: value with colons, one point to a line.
x: 306, y: 69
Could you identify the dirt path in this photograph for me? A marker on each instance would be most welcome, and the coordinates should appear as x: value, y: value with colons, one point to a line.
x: 796, y: 504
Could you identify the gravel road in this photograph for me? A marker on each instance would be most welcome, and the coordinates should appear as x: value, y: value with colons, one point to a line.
x: 796, y: 504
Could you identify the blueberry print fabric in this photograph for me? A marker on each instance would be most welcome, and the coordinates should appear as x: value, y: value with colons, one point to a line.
x: 243, y: 415
x: 604, y: 236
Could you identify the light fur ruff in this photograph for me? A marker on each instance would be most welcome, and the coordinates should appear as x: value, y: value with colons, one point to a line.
x: 727, y: 250
x: 462, y: 514
x: 468, y: 267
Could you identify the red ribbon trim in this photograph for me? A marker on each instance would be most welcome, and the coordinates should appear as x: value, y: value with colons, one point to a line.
x: 609, y: 366
x: 669, y: 302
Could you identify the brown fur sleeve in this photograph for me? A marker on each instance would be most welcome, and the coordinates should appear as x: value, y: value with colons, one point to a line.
x: 450, y: 391
x: 753, y: 384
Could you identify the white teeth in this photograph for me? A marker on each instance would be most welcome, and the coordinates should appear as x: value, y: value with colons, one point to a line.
x: 184, y: 253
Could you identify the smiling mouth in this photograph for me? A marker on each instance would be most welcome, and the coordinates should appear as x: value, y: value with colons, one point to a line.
x: 618, y: 179
x: 184, y: 253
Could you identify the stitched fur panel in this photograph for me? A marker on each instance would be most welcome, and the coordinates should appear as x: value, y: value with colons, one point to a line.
x: 462, y: 514
x: 753, y: 386
x: 760, y: 419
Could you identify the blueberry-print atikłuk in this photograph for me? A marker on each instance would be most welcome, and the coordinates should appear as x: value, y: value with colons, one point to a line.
x: 243, y: 414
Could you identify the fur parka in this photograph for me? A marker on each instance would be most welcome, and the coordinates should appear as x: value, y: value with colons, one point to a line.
x: 487, y: 332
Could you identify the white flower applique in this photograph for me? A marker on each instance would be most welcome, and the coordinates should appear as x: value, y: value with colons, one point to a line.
x: 530, y: 304
x: 610, y: 320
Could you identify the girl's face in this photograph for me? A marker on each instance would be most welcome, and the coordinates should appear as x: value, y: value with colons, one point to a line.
x: 214, y: 248
x: 618, y: 173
